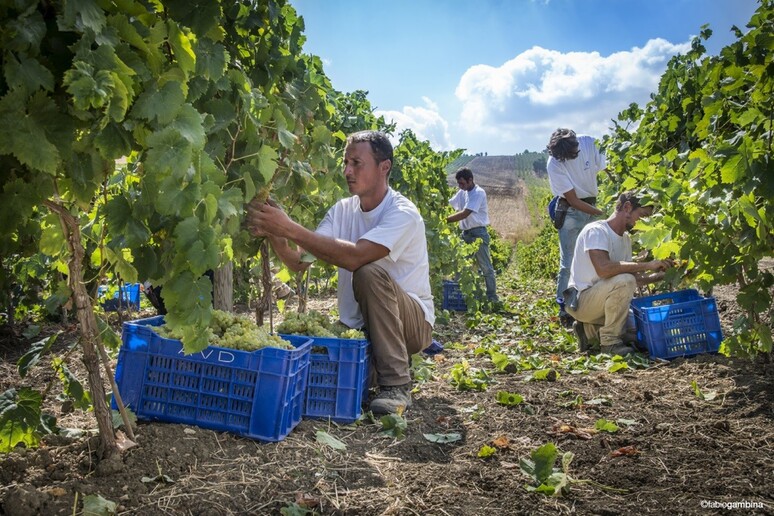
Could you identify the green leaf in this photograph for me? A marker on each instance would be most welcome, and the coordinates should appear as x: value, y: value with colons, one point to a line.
x: 500, y: 360
x: 201, y: 15
x: 73, y: 388
x: 181, y: 47
x: 286, y: 138
x: 27, y: 73
x: 393, y: 425
x: 211, y: 59
x: 170, y: 153
x: 188, y: 123
x: 25, y: 33
x: 113, y: 141
x: 37, y: 350
x: 510, y: 399
x: 160, y: 104
x: 267, y: 162
x: 544, y: 459
x: 486, y: 451
x: 549, y: 375
x: 118, y: 421
x: 23, y: 124
x: 443, y: 438
x: 328, y: 440
x: 52, y: 240
x: 121, y: 221
x: 603, y: 425
x: 95, y: 505
x: 20, y: 417
x: 107, y: 335
x: 83, y: 14
x: 196, y: 246
x: 733, y: 169
x: 618, y: 366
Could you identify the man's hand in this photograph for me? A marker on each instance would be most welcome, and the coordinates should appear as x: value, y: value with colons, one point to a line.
x: 266, y: 219
x: 659, y: 265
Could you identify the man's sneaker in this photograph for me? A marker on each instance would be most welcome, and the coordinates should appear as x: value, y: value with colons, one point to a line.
x: 580, y: 334
x: 617, y: 349
x: 391, y: 398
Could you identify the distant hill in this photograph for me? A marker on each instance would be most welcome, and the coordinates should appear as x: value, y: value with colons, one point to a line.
x: 500, y: 173
x: 492, y: 171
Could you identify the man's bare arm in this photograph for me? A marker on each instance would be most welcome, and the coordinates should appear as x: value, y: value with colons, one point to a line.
x: 460, y: 215
x: 607, y: 268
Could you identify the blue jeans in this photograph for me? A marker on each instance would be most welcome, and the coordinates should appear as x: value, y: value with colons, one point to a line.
x: 483, y: 259
x: 573, y: 223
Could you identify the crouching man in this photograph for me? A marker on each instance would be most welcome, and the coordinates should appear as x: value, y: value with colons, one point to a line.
x: 376, y: 237
x: 603, y: 277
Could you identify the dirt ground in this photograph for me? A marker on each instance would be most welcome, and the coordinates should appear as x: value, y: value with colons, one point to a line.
x: 675, y: 452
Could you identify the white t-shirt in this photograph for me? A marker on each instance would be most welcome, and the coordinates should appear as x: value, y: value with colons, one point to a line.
x: 580, y: 173
x: 475, y: 201
x: 397, y: 225
x: 597, y: 235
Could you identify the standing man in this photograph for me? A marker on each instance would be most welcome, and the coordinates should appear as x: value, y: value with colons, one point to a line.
x: 473, y: 216
x: 604, y: 277
x: 573, y: 164
x: 377, y: 239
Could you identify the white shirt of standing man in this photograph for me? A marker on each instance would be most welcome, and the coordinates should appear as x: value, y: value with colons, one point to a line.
x: 471, y: 197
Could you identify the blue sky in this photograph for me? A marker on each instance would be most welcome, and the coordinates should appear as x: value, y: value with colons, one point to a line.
x: 499, y: 76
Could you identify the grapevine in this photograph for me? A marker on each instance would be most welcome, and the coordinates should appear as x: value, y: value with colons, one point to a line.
x: 701, y: 148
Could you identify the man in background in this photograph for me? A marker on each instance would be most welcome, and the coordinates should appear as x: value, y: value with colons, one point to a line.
x: 573, y: 164
x: 473, y: 216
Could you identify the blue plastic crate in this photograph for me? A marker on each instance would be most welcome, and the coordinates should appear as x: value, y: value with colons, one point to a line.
x: 258, y: 394
x: 338, y: 379
x: 452, y: 297
x: 678, y: 324
x: 126, y: 297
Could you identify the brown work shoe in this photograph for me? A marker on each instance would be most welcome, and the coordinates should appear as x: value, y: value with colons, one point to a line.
x: 391, y: 398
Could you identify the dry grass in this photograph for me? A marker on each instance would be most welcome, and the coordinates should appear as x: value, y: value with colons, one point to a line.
x: 509, y: 215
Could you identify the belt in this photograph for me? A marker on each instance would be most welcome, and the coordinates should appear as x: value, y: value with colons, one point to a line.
x: 589, y: 200
x: 471, y: 229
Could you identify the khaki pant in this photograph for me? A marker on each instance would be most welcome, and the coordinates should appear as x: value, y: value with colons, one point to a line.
x: 395, y: 322
x: 604, y: 308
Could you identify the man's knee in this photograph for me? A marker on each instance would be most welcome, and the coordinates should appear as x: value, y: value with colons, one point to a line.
x: 625, y: 284
x: 367, y: 276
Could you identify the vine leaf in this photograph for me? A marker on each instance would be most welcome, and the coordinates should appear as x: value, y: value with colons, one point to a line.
x: 37, y: 350
x: 19, y: 418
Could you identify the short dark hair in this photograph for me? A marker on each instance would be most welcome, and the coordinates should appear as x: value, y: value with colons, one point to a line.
x: 464, y: 173
x: 563, y: 144
x: 633, y: 197
x: 380, y: 144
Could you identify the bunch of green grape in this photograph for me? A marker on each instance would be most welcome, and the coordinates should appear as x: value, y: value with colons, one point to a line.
x: 315, y: 324
x: 233, y: 331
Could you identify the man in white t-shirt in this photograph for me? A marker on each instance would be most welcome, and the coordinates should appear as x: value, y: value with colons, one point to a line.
x: 377, y: 239
x: 572, y: 166
x: 473, y: 216
x: 603, y: 277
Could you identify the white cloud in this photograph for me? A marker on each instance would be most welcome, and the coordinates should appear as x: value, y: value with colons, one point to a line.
x: 521, y: 102
x: 426, y: 122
